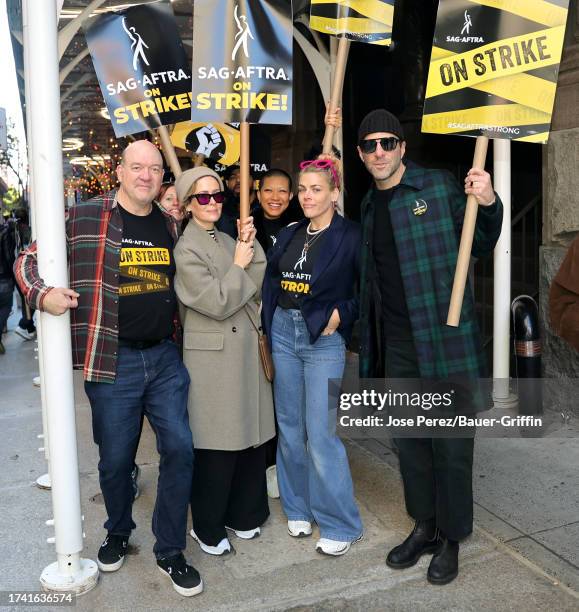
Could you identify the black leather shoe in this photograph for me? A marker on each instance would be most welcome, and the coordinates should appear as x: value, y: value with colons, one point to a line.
x: 444, y: 565
x: 422, y: 540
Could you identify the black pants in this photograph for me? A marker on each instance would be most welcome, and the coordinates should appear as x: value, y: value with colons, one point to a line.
x: 271, y: 445
x: 271, y: 452
x: 228, y: 489
x: 436, y: 472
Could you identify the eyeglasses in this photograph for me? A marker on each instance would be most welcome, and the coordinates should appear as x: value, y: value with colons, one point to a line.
x: 388, y: 144
x: 322, y: 164
x: 205, y: 198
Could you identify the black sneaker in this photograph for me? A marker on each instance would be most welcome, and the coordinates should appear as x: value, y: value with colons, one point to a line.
x: 185, y: 578
x: 112, y: 552
x: 134, y: 478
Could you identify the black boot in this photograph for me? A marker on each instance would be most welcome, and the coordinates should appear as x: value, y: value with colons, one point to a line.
x: 444, y: 565
x: 422, y: 540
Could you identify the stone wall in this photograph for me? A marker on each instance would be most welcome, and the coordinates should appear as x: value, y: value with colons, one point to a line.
x: 561, y: 196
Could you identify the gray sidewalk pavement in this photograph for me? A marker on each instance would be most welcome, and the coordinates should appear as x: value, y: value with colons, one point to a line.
x: 523, y: 554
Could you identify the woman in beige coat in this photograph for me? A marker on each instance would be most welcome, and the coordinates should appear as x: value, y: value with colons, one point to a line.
x: 218, y: 283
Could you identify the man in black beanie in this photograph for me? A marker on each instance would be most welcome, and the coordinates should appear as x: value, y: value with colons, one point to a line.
x: 412, y: 219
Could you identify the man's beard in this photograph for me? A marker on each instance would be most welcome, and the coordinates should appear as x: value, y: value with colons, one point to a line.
x: 386, y: 173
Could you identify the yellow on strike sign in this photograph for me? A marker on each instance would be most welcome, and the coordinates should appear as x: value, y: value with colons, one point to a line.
x: 494, y: 68
x: 368, y: 21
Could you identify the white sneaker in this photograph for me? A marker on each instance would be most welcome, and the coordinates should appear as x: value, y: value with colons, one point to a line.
x: 36, y: 381
x: 271, y: 479
x: 24, y: 333
x: 299, y: 529
x: 222, y: 548
x: 334, y: 547
x: 246, y: 535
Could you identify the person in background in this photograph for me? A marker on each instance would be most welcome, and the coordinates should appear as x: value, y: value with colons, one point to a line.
x: 309, y: 308
x: 564, y: 297
x: 232, y: 182
x: 25, y: 328
x: 218, y: 283
x: 277, y: 208
x: 227, y: 223
x: 7, y: 258
x: 168, y: 201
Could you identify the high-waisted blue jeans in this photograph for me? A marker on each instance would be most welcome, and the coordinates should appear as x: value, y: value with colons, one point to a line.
x: 312, y: 466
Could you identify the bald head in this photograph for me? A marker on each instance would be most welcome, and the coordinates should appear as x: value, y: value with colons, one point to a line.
x: 137, y: 148
x: 140, y: 174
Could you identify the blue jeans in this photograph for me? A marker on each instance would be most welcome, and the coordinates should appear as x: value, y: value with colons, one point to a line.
x: 312, y: 466
x: 153, y: 382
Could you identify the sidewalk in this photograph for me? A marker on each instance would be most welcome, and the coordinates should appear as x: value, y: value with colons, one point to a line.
x: 523, y: 554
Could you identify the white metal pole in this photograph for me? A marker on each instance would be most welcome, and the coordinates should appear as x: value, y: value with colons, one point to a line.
x: 502, y: 275
x: 43, y: 481
x: 70, y: 572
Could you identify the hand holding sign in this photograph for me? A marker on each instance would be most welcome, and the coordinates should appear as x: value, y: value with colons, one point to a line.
x: 243, y: 255
x: 246, y: 230
x: 478, y: 184
x: 333, y: 118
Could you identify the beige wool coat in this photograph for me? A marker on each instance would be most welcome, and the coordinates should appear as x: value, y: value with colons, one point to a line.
x: 230, y: 400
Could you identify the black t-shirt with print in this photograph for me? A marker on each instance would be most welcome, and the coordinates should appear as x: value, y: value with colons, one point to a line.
x: 147, y: 301
x: 296, y: 266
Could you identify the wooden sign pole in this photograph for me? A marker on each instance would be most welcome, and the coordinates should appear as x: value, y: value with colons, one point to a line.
x: 169, y: 151
x: 244, y: 171
x: 337, y: 84
x: 464, y: 251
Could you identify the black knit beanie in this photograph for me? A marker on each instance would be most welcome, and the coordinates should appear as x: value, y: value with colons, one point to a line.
x: 380, y: 120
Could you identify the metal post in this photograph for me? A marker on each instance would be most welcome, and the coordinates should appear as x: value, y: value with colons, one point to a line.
x: 43, y: 481
x: 70, y: 573
x: 502, y: 277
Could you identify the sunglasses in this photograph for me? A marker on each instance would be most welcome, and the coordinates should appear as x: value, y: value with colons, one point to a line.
x: 388, y: 144
x: 322, y: 164
x: 205, y: 198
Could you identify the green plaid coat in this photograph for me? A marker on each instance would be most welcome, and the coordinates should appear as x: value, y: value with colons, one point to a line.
x: 427, y: 247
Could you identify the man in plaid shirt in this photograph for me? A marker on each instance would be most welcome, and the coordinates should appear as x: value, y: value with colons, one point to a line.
x: 123, y: 307
x: 412, y: 219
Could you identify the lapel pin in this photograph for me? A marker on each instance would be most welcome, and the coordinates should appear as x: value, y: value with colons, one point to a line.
x: 419, y: 207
